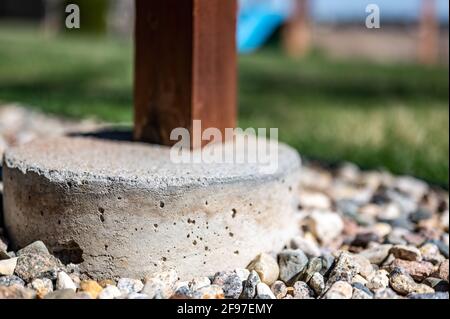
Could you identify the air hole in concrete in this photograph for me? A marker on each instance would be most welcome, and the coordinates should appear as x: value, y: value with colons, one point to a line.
x: 290, y: 188
x: 234, y: 212
x: 69, y: 184
x: 69, y: 253
x: 101, y: 210
x: 161, y: 204
x: 191, y: 221
x: 119, y: 198
x: 59, y: 222
x: 206, y: 203
x: 231, y: 234
x: 155, y: 225
x: 194, y: 242
x: 188, y: 235
x: 206, y: 248
x: 164, y: 259
x: 42, y: 213
x: 106, y: 247
x: 237, y: 252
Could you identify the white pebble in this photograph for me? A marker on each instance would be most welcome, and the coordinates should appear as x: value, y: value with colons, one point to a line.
x: 110, y: 292
x: 8, y: 266
x: 64, y: 281
x: 264, y: 292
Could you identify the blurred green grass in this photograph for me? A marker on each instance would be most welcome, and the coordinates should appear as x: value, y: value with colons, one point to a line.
x: 378, y: 116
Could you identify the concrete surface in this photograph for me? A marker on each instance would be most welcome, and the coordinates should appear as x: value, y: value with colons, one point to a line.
x: 124, y: 209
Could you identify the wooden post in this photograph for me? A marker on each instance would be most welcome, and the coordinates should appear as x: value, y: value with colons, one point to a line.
x: 185, y: 66
x: 428, y: 33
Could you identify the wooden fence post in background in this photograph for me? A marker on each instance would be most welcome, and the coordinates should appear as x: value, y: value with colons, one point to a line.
x: 428, y: 33
x: 297, y: 32
x: 185, y: 66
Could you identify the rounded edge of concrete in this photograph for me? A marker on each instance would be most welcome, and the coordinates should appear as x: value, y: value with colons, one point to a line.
x: 122, y: 209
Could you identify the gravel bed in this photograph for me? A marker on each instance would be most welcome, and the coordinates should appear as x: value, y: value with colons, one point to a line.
x: 361, y: 235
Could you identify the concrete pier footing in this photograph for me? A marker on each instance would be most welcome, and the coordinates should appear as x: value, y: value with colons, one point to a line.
x: 124, y: 209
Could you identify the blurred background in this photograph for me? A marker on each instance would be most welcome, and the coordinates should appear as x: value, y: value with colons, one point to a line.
x: 337, y: 90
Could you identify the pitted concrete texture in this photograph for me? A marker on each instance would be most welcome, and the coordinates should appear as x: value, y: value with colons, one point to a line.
x: 124, y: 209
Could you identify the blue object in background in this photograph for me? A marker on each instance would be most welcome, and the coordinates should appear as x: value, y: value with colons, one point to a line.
x: 257, y: 21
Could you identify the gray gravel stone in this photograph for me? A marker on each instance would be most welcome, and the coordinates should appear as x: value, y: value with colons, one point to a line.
x: 136, y: 295
x: 443, y: 248
x: 128, y: 286
x: 438, y: 284
x: 378, y: 254
x: 437, y: 295
x: 183, y: 292
x: 302, y: 291
x: 362, y: 288
x: 314, y: 266
x: 292, y: 263
x: 230, y: 282
x: 386, y: 293
x: 317, y: 283
x: 361, y: 292
x: 37, y: 247
x: 11, y: 280
x: 345, y: 269
x: 199, y: 282
x: 249, y: 286
x: 378, y: 280
x: 279, y: 289
x: 263, y: 292
x: 328, y: 261
x: 31, y: 266
x: 430, y: 252
x: 160, y: 285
